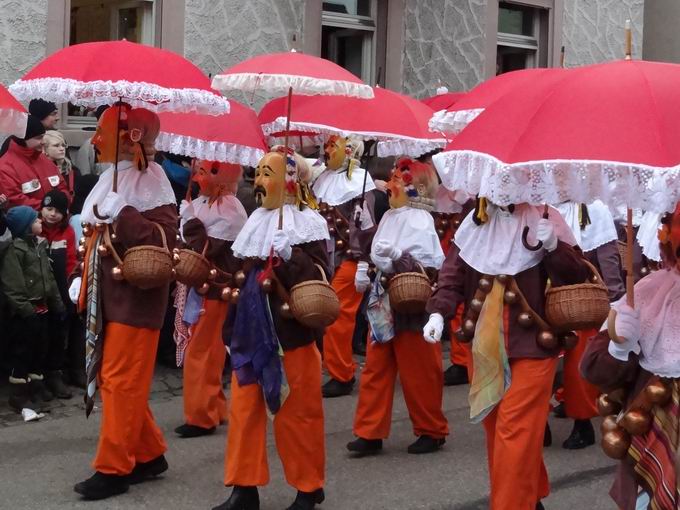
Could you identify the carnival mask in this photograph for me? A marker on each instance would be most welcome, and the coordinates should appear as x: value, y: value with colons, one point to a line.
x: 335, y: 152
x: 217, y: 179
x: 396, y: 188
x: 669, y: 234
x: 270, y: 181
x: 104, y: 139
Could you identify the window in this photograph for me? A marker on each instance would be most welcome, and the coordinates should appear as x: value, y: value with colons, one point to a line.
x: 348, y: 34
x: 522, y: 37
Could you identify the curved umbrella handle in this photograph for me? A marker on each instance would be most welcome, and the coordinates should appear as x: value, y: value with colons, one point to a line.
x: 525, y: 234
x: 95, y: 210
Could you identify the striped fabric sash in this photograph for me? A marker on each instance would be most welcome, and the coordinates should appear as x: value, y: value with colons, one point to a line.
x: 94, y: 339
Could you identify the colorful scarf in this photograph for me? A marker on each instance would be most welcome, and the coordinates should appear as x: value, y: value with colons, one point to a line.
x: 655, y: 454
x: 379, y: 313
x: 491, y: 377
x: 94, y: 339
x: 189, y: 305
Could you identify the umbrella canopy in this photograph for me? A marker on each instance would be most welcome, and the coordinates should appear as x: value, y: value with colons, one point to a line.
x: 276, y: 73
x: 455, y: 118
x: 13, y: 115
x: 606, y: 131
x: 234, y: 137
x: 398, y: 122
x: 97, y: 73
x: 443, y: 101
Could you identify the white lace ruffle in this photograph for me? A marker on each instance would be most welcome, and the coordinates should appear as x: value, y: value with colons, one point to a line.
x: 601, y: 229
x: 223, y: 220
x: 13, y: 122
x: 453, y: 122
x: 138, y: 94
x: 209, y: 150
x: 648, y: 236
x: 388, y: 144
x: 334, y: 188
x: 556, y: 181
x: 280, y: 83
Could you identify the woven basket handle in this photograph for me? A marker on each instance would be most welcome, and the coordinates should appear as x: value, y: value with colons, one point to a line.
x: 596, y: 274
x: 205, y: 246
x: 109, y: 244
x: 163, y: 238
x: 323, y: 273
x: 542, y: 325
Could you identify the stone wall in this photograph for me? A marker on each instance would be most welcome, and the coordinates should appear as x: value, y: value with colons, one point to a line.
x: 23, y: 36
x: 594, y: 29
x: 444, y: 41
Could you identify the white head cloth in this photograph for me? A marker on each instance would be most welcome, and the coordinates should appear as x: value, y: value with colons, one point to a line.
x: 495, y: 247
x: 334, y: 188
x: 601, y: 229
x: 143, y: 190
x: 413, y: 232
x: 222, y: 220
x: 648, y: 235
x: 657, y: 298
x: 450, y: 202
x: 255, y: 238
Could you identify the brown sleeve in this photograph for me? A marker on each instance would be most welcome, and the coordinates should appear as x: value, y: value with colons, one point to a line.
x: 602, y: 369
x: 565, y: 266
x: 218, y: 251
x: 360, y: 240
x: 450, y: 291
x: 136, y: 229
x: 609, y: 264
x: 301, y: 265
x: 195, y: 234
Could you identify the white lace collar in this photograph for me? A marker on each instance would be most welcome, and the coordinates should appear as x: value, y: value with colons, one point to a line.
x: 648, y: 235
x: 222, y: 220
x: 657, y: 298
x: 143, y: 190
x: 413, y: 232
x: 334, y: 188
x: 255, y: 238
x: 450, y: 202
x: 601, y: 229
x: 495, y: 247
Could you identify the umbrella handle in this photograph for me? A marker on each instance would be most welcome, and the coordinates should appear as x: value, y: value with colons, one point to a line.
x: 95, y: 210
x: 525, y: 234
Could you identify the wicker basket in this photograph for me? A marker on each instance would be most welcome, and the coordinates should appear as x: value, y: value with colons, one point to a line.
x: 147, y: 266
x: 193, y: 268
x: 314, y: 303
x: 577, y: 307
x: 409, y: 292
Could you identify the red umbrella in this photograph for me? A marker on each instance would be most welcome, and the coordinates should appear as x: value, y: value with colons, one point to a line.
x: 443, y: 101
x: 454, y: 118
x: 97, y: 73
x: 235, y: 137
x: 13, y: 115
x: 398, y: 122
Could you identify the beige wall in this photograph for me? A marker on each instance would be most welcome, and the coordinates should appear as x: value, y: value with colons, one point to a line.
x: 23, y: 26
x: 661, y: 40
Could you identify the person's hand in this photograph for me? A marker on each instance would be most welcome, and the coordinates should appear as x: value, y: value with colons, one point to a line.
x: 361, y: 279
x: 628, y: 330
x: 545, y: 232
x: 3, y: 201
x: 112, y: 205
x: 432, y: 332
x: 281, y: 245
x: 74, y: 290
x: 385, y: 249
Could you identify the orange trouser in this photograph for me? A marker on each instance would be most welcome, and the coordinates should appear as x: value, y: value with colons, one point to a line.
x: 337, y: 340
x: 580, y: 397
x: 128, y: 431
x: 461, y: 353
x: 298, y: 427
x: 204, y: 402
x: 514, y: 437
x: 419, y: 365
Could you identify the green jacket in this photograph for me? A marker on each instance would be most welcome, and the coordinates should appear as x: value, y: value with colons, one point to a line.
x: 26, y: 277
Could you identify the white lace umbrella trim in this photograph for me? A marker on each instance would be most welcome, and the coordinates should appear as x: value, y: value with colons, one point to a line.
x: 209, y: 150
x: 138, y: 94
x: 13, y: 122
x: 555, y: 181
x: 280, y: 83
x: 453, y: 121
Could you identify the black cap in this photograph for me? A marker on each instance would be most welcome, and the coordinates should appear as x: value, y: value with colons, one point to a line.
x: 41, y: 108
x: 57, y: 199
x: 33, y: 127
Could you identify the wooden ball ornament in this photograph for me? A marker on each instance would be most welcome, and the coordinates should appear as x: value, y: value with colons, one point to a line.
x: 658, y: 393
x: 330, y: 218
x: 87, y: 230
x: 267, y: 285
x: 117, y: 273
x: 99, y: 227
x: 469, y: 327
x: 510, y: 297
x: 346, y: 232
x: 212, y: 274
x: 239, y: 278
x: 331, y: 230
x: 503, y: 278
x: 339, y: 244
x: 441, y: 233
x: 609, y: 424
x: 644, y: 271
x: 637, y: 422
x: 547, y: 340
x: 456, y: 223
x: 285, y: 311
x: 606, y: 407
x: 615, y: 444
x: 235, y: 293
x: 485, y: 285
x: 103, y: 250
x: 203, y: 289
x: 82, y: 241
x: 114, y: 237
x: 225, y: 295
x: 525, y: 319
x: 569, y: 340
x: 338, y: 222
x: 81, y: 251
x: 476, y: 305
x: 384, y: 282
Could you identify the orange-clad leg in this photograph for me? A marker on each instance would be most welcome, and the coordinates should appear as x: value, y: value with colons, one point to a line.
x: 204, y: 402
x: 128, y: 431
x: 514, y: 437
x: 337, y: 339
x: 580, y: 397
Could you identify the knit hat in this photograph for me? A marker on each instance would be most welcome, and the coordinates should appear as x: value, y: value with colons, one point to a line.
x: 56, y: 199
x: 41, y: 108
x: 19, y: 220
x: 33, y: 127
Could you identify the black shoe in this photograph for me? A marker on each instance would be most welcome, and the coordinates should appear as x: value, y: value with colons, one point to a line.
x: 455, y: 375
x: 55, y: 384
x: 426, y: 444
x: 334, y: 388
x: 362, y: 446
x: 559, y: 411
x: 187, y: 431
x: 39, y: 390
x: 18, y: 394
x: 307, y: 500
x: 144, y: 471
x: 582, y: 436
x: 547, y: 436
x: 77, y: 379
x: 242, y: 498
x: 101, y: 486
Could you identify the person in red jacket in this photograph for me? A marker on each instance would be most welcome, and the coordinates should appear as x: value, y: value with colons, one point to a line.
x: 26, y: 174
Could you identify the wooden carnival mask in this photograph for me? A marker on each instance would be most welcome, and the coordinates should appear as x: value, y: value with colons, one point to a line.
x: 335, y: 152
x: 270, y: 181
x: 411, y: 182
x: 669, y: 235
x: 216, y: 179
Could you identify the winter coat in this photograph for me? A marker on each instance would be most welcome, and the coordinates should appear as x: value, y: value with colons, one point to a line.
x: 61, y: 247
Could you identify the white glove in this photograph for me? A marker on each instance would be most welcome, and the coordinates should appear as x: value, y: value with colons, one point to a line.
x: 186, y: 210
x: 627, y: 327
x: 361, y: 279
x: 432, y: 332
x: 74, y: 290
x: 281, y: 245
x: 111, y: 206
x: 385, y: 249
x: 545, y: 233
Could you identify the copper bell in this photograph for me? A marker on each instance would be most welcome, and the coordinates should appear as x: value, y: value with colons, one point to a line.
x: 331, y: 230
x: 469, y: 327
x: 338, y: 221
x: 267, y: 285
x: 346, y: 232
x: 384, y: 281
x: 644, y: 271
x: 637, y: 422
x: 117, y: 273
x: 203, y: 289
x: 339, y: 244
x: 510, y: 297
x: 525, y: 319
x: 441, y: 233
x: 485, y: 285
x: 234, y: 296
x: 503, y: 278
x: 609, y: 424
x: 81, y: 251
x: 618, y: 395
x: 330, y: 218
x: 225, y: 295
x: 331, y: 208
x: 547, y: 340
x: 103, y: 250
x: 323, y: 207
x: 82, y: 241
x: 658, y: 393
x: 114, y: 237
x: 99, y: 227
x: 81, y: 267
x: 606, y: 407
x: 569, y: 340
x: 239, y: 278
x: 87, y: 230
x: 176, y: 258
x: 615, y: 444
x: 285, y: 311
x: 212, y: 274
x: 178, y: 237
x: 456, y: 223
x: 476, y: 305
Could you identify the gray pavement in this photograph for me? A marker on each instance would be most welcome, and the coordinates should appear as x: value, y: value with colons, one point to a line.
x: 40, y: 462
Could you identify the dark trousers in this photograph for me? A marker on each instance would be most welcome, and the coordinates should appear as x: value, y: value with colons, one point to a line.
x: 75, y: 345
x: 36, y: 345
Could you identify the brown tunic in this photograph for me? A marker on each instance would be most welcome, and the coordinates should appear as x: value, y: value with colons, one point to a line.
x: 458, y: 283
x: 122, y: 302
x: 607, y: 260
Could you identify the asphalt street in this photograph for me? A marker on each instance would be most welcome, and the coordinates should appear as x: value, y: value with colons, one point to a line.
x: 40, y: 462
